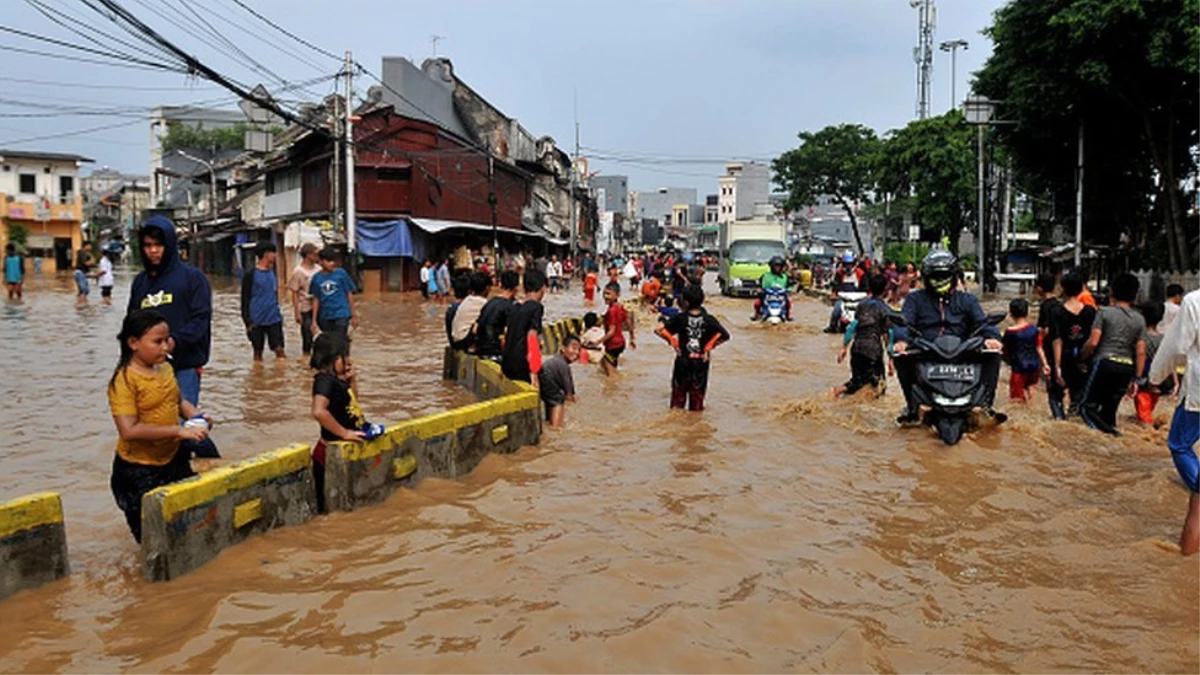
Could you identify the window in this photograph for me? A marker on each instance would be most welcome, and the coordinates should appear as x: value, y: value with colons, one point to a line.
x: 395, y: 174
x: 66, y: 186
x: 28, y: 184
x: 283, y: 181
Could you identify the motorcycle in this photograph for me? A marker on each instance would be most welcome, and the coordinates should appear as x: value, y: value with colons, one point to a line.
x: 949, y: 378
x: 774, y: 305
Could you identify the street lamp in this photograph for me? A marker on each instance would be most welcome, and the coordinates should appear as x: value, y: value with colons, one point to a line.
x: 978, y: 111
x: 953, y: 46
x: 212, y: 184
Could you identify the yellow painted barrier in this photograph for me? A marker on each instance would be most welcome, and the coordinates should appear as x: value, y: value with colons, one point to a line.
x: 33, y: 542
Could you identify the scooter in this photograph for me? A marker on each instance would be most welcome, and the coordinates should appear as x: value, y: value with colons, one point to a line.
x: 949, y: 378
x: 774, y: 305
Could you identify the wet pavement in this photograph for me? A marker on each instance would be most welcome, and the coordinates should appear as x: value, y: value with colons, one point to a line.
x: 777, y: 531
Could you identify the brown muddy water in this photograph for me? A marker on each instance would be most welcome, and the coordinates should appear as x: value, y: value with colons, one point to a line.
x: 777, y: 531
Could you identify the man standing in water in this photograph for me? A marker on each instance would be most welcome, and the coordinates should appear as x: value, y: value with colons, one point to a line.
x: 298, y: 284
x: 83, y: 271
x: 1180, y: 346
x: 260, y: 303
x: 181, y: 292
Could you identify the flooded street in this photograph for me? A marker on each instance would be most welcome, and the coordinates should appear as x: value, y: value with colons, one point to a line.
x: 777, y: 531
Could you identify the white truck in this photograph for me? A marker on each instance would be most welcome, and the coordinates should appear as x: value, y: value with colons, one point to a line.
x: 746, y: 248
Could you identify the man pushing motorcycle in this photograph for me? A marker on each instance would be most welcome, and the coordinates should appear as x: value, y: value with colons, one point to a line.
x: 941, y: 309
x: 776, y: 278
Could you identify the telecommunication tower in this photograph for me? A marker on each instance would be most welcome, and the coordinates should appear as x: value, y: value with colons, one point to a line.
x: 923, y: 52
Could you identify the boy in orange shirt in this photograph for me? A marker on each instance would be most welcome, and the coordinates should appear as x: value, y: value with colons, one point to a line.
x: 589, y: 287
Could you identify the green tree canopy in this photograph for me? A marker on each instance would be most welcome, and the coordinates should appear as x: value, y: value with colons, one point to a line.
x: 934, y: 161
x: 837, y: 161
x: 186, y: 137
x: 1127, y: 71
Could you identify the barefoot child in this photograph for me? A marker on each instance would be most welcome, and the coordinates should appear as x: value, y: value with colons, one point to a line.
x: 616, y: 322
x: 153, y: 449
x: 694, y: 333
x: 334, y: 401
x: 555, y: 382
x: 1148, y: 394
x: 1021, y: 352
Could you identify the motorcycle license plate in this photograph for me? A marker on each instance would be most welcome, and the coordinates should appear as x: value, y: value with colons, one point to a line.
x: 957, y: 372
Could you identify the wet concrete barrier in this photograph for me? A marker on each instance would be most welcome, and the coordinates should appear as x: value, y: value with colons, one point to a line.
x: 186, y: 524
x: 33, y: 542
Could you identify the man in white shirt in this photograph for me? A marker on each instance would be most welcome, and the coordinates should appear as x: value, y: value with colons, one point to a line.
x: 426, y: 270
x: 297, y: 284
x: 554, y: 273
x: 1171, y: 306
x: 106, y: 277
x: 463, y: 332
x: 1181, y: 346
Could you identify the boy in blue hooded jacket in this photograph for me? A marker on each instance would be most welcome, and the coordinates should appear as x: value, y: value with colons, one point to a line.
x: 182, y: 293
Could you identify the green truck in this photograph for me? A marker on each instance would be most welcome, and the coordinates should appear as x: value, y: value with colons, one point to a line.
x: 746, y: 248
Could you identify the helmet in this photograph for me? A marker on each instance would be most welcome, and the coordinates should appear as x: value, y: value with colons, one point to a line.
x: 777, y: 260
x: 848, y: 258
x: 940, y: 272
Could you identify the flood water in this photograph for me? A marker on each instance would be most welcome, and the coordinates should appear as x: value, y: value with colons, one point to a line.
x: 777, y: 531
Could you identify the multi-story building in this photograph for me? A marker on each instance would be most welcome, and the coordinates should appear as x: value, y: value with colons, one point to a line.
x: 39, y: 193
x: 712, y: 208
x: 660, y: 204
x: 174, y: 178
x: 616, y: 192
x: 744, y: 185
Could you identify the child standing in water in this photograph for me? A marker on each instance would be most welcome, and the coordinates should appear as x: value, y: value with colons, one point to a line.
x: 334, y: 401
x: 1148, y: 394
x: 153, y: 449
x: 1021, y: 352
x: 694, y: 333
x: 1071, y: 333
x: 616, y: 321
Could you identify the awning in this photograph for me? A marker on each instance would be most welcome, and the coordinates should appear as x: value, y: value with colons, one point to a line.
x: 386, y: 239
x: 433, y: 226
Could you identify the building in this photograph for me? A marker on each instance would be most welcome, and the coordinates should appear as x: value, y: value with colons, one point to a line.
x: 660, y: 205
x: 711, y: 209
x: 615, y: 190
x: 169, y: 171
x: 113, y: 203
x: 39, y: 194
x: 744, y: 185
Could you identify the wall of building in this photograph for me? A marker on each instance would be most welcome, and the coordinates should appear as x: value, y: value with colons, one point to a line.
x: 659, y: 204
x: 616, y: 192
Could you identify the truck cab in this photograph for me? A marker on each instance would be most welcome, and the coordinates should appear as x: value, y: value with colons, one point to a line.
x: 746, y: 248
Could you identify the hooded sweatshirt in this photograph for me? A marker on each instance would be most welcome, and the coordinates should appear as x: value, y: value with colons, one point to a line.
x: 181, y: 292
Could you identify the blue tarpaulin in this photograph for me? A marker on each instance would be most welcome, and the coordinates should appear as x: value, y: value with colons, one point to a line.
x: 387, y: 239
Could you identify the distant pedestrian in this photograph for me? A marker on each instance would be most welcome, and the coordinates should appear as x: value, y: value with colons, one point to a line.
x: 1020, y: 342
x: 1118, y: 342
x: 426, y: 277
x: 14, y: 272
x: 182, y: 293
x: 105, y: 277
x: 554, y: 274
x: 590, y: 282
x: 332, y: 292
x: 442, y: 278
x: 152, y: 448
x: 83, y: 271
x: 260, y: 303
x: 693, y: 333
x: 555, y: 382
x: 298, y: 284
x: 1180, y: 348
x: 1171, y: 305
x: 522, y: 357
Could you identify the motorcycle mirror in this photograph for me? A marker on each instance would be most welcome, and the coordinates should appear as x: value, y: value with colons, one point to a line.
x: 996, y: 318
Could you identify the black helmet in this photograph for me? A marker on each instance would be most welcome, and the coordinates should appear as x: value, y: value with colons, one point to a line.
x: 940, y: 272
x: 777, y: 260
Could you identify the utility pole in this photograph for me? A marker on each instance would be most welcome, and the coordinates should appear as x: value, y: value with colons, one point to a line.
x: 923, y: 54
x: 348, y: 104
x: 953, y: 46
x: 574, y: 182
x: 492, y: 203
x: 1079, y: 200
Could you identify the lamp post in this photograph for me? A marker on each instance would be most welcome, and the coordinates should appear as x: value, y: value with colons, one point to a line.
x: 212, y: 183
x: 978, y: 111
x: 953, y: 46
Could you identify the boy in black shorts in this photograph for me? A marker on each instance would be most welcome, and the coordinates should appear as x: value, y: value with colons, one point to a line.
x: 616, y: 321
x: 694, y: 333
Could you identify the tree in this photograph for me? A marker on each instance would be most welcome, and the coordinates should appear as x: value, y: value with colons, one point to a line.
x: 18, y: 236
x: 934, y: 161
x: 1128, y: 73
x: 181, y: 136
x: 836, y: 161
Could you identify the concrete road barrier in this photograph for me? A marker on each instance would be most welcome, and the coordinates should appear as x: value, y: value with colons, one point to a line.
x: 186, y: 524
x: 33, y: 542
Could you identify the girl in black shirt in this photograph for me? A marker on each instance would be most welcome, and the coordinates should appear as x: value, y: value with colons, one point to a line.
x: 335, y: 402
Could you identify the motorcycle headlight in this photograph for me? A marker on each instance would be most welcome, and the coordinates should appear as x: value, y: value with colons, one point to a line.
x: 736, y: 283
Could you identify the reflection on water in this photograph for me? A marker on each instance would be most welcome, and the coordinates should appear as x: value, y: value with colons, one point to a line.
x: 776, y: 531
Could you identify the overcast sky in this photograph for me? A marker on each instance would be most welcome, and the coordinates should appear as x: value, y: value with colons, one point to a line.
x: 659, y: 79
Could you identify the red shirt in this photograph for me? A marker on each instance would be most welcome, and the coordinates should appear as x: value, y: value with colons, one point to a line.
x: 589, y: 282
x: 615, y: 316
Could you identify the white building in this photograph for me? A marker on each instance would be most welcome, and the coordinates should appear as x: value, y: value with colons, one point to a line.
x: 744, y: 185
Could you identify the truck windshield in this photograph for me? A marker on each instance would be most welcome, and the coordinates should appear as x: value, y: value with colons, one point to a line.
x: 755, y: 251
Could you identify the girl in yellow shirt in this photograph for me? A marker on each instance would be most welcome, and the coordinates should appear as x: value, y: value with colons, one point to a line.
x: 146, y: 408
